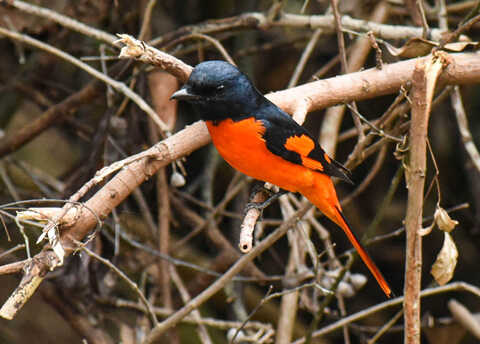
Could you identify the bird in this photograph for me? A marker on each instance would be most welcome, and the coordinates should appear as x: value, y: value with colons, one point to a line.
x: 259, y: 139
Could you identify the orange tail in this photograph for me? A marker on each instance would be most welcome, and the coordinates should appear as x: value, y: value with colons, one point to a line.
x: 324, y: 197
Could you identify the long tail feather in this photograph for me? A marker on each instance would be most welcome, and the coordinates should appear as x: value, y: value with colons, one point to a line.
x: 324, y: 197
x: 364, y: 255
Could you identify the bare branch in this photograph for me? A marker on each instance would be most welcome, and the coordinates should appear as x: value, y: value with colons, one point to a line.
x: 65, y: 21
x: 456, y: 286
x: 424, y: 80
x: 226, y: 277
x: 117, y: 85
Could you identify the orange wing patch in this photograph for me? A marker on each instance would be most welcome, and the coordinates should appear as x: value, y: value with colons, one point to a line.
x: 303, y: 145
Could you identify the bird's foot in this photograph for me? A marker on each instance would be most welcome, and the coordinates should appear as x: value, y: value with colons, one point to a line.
x: 260, y: 206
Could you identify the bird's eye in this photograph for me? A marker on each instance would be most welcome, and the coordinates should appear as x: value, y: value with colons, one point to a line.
x: 220, y: 87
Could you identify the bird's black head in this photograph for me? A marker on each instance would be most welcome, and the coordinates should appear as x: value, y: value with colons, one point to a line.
x: 218, y: 90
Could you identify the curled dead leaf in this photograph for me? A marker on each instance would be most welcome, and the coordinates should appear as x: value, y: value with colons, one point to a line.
x: 443, y: 220
x: 461, y: 46
x: 418, y: 46
x: 444, y: 266
x: 414, y: 47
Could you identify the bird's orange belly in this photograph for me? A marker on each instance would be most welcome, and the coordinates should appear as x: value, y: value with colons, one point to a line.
x: 241, y: 144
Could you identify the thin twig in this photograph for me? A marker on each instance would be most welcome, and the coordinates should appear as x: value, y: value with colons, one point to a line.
x: 28, y: 132
x: 147, y: 17
x: 377, y: 131
x: 461, y: 29
x: 117, y: 85
x: 12, y: 250
x: 307, y: 52
x: 401, y: 230
x: 8, y: 182
x: 195, y: 267
x: 216, y: 43
x: 252, y: 313
x: 189, y: 319
x: 388, y: 325
x: 211, y: 217
x: 269, y: 296
x: 61, y: 19
x: 318, y: 316
x: 124, y: 277
x: 202, y: 331
x: 423, y: 18
x: 369, y: 178
x: 463, y: 128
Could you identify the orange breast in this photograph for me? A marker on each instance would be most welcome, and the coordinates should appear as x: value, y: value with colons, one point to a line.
x: 241, y: 144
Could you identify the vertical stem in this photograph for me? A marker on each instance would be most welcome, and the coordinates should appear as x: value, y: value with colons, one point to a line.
x: 415, y: 175
x: 289, y: 304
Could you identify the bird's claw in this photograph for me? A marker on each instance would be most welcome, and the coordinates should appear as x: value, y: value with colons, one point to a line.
x: 260, y: 206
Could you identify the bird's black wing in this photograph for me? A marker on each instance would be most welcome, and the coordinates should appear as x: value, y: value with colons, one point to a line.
x: 286, y: 138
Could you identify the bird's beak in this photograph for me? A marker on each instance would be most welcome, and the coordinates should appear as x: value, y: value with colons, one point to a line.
x: 184, y: 94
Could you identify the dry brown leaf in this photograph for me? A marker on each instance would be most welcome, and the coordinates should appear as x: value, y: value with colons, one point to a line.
x: 444, y: 266
x: 444, y: 221
x: 461, y: 46
x: 417, y: 46
x: 441, y: 218
x: 414, y: 47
